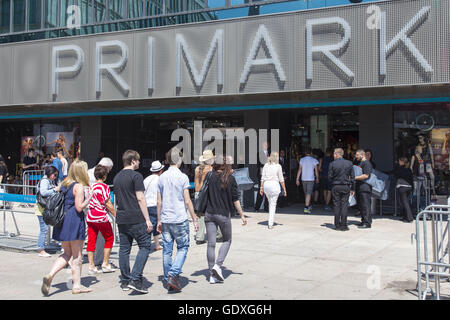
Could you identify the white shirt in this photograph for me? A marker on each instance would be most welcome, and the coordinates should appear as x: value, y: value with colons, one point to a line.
x: 272, y: 172
x: 151, y: 189
x: 92, y: 179
x: 65, y: 166
x: 171, y: 185
x: 308, y: 163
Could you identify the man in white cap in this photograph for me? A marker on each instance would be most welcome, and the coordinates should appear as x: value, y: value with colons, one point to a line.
x: 151, y: 197
x: 100, y: 243
x: 106, y: 162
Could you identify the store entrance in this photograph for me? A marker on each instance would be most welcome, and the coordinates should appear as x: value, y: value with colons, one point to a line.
x: 319, y: 129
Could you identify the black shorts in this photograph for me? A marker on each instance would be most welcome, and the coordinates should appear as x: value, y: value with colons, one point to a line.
x: 325, y: 184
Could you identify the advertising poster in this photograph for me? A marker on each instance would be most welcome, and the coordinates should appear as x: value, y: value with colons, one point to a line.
x: 60, y: 141
x: 440, y: 142
x: 27, y: 143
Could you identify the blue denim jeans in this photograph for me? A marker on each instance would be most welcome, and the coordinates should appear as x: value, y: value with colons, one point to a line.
x: 178, y: 232
x: 42, y: 233
x: 138, y: 232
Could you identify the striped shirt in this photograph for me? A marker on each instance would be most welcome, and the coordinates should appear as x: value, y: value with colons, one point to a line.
x: 97, y: 209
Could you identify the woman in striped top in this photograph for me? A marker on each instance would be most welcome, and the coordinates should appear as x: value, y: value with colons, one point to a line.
x: 97, y: 220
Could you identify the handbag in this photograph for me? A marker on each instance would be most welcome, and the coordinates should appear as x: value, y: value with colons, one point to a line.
x: 54, y: 212
x: 201, y: 201
x: 40, y: 200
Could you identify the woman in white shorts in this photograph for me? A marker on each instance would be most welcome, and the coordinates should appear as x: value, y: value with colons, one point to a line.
x: 271, y: 178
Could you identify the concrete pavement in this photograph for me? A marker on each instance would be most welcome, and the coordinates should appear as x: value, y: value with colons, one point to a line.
x: 302, y: 257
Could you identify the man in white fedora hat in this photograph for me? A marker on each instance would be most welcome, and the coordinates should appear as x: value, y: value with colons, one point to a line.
x: 151, y: 196
x: 206, y: 162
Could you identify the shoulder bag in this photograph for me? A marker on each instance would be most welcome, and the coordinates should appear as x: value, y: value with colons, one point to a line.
x: 201, y: 201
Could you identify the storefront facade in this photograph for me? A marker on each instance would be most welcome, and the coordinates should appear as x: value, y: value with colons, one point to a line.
x: 348, y: 76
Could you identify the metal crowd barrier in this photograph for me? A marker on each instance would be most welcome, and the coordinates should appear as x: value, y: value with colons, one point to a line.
x: 436, y: 262
x: 30, y: 199
x: 30, y: 179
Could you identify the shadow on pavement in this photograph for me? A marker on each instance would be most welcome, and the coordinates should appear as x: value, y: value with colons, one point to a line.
x: 205, y: 272
x: 63, y: 286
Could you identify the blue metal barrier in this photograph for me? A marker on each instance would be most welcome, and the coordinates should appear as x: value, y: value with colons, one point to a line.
x: 10, y: 197
x: 17, y: 198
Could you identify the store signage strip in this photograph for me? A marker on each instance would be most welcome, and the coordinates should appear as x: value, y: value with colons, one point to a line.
x: 229, y: 62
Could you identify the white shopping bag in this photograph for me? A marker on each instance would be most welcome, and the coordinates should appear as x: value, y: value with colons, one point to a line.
x: 352, y: 200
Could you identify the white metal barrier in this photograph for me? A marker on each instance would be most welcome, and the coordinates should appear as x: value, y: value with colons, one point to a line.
x: 30, y: 179
x: 432, y: 253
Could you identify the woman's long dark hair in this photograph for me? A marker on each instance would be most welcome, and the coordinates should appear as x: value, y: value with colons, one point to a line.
x: 226, y: 170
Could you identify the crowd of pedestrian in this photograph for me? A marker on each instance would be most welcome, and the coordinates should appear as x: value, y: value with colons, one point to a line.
x: 161, y: 206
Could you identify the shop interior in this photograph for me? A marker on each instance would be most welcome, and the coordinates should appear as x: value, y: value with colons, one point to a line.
x: 421, y: 134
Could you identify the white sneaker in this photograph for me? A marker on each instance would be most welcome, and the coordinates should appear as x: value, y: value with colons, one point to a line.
x: 217, y: 272
x: 213, y: 280
x: 44, y: 255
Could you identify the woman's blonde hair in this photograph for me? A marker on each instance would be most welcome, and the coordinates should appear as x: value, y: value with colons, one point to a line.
x: 274, y: 158
x: 78, y: 172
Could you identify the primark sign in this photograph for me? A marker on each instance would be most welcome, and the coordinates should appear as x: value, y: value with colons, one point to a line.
x: 391, y: 43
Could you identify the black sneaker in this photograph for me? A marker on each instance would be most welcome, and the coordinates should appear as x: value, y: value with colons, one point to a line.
x: 344, y: 228
x: 173, y: 283
x: 124, y: 286
x: 137, y: 286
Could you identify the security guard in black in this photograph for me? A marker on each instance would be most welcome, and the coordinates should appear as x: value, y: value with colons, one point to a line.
x: 364, y: 190
x: 341, y: 177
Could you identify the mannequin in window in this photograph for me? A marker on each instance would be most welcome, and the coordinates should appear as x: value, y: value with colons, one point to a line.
x: 424, y: 156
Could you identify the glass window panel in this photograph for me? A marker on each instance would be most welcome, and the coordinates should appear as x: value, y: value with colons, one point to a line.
x: 34, y: 14
x: 284, y: 7
x: 173, y: 6
x: 50, y: 13
x: 330, y: 3
x: 4, y: 15
x: 100, y: 10
x: 116, y: 11
x: 154, y: 7
x: 216, y: 3
x: 86, y: 11
x: 135, y: 8
x: 238, y: 2
x: 19, y: 15
x: 316, y: 4
x: 232, y: 13
x: 65, y: 4
x: 195, y: 5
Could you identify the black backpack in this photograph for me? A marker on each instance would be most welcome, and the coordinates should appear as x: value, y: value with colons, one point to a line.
x: 54, y: 212
x: 53, y: 205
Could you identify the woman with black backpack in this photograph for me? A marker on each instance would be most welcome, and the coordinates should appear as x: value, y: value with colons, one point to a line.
x: 72, y: 231
x: 47, y: 187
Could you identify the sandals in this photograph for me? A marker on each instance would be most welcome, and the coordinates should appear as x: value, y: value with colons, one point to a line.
x: 108, y: 269
x: 81, y: 290
x: 46, y: 283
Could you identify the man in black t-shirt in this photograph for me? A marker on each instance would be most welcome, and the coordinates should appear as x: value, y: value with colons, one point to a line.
x: 29, y: 161
x: 363, y: 189
x: 133, y: 221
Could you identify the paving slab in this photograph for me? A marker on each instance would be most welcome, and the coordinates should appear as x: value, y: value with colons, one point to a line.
x: 301, y: 258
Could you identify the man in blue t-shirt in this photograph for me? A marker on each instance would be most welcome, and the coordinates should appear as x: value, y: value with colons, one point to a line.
x: 57, y: 164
